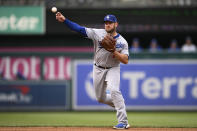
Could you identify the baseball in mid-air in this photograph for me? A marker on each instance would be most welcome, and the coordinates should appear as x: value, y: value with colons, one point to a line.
x: 54, y: 9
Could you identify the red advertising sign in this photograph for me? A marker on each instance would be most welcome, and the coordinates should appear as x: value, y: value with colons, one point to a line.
x: 55, y: 68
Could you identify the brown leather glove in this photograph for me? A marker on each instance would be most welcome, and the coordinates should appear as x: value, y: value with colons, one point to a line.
x: 109, y: 43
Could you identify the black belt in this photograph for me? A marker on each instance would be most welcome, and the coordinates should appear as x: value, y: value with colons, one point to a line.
x: 102, y: 67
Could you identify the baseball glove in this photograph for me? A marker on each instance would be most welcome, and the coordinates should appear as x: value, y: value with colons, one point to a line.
x: 109, y: 43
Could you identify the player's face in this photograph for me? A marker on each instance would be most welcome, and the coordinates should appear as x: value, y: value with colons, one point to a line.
x: 110, y: 26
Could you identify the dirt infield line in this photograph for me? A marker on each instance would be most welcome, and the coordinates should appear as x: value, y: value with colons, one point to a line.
x: 89, y: 129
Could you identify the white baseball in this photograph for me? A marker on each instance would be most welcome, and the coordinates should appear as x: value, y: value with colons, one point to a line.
x: 54, y: 9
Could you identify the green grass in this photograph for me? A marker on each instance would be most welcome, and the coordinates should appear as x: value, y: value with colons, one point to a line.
x: 98, y: 119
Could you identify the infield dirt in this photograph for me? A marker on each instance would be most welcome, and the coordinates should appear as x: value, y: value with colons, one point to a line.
x: 89, y: 129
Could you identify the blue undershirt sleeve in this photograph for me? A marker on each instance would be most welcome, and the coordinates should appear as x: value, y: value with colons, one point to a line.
x: 75, y: 27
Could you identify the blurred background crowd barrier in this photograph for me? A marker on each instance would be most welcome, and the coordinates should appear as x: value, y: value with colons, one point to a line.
x: 45, y: 66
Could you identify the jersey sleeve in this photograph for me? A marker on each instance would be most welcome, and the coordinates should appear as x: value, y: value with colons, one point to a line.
x: 125, y: 49
x: 75, y: 27
x: 91, y: 33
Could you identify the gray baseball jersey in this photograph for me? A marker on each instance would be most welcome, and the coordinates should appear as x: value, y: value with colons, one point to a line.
x: 108, y: 78
x: 103, y: 57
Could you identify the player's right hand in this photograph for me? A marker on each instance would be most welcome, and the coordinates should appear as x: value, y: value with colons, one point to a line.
x: 60, y: 17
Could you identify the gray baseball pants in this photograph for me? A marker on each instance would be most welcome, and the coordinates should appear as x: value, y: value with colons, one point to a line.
x: 110, y: 79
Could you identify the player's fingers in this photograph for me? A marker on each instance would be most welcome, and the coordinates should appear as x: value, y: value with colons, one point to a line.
x: 57, y: 17
x: 58, y: 14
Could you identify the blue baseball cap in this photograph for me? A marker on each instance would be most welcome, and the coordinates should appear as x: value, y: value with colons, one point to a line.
x: 111, y: 18
x: 154, y: 41
x: 174, y: 41
x: 136, y: 40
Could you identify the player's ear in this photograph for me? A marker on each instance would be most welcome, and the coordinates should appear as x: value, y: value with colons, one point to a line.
x: 116, y: 24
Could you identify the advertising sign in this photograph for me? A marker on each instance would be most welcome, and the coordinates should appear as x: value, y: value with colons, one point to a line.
x: 33, y: 95
x: 145, y: 85
x: 22, y: 20
x: 55, y: 68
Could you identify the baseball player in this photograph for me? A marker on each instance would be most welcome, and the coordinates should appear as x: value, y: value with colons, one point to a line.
x: 110, y: 48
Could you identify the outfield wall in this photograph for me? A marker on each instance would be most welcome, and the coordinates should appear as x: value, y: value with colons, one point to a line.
x: 145, y: 84
x: 34, y: 95
x: 64, y: 82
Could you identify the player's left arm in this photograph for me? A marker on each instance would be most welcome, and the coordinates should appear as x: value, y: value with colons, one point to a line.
x: 121, y: 57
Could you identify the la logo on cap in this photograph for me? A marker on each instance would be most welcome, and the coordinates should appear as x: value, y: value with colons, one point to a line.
x: 108, y: 17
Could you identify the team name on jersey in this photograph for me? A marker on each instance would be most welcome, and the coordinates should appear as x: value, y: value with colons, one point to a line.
x: 118, y: 45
